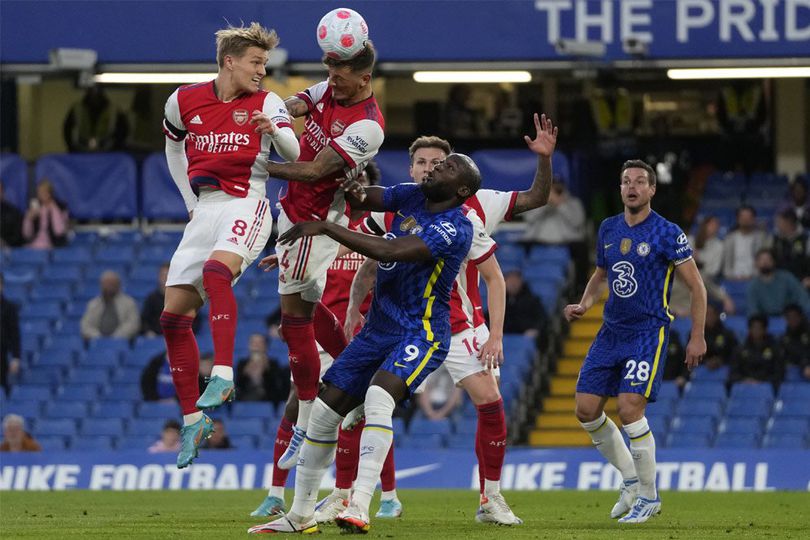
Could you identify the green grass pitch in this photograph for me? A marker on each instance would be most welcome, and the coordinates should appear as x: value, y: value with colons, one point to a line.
x: 429, y: 514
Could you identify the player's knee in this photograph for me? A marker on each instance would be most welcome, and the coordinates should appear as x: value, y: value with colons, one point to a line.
x: 587, y: 413
x: 379, y: 405
x: 215, y: 272
x: 629, y: 414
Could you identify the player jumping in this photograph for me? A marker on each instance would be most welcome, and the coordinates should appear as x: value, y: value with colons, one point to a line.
x: 407, y: 335
x: 217, y: 157
x: 636, y: 253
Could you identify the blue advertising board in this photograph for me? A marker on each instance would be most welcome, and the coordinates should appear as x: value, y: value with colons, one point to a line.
x: 412, y: 30
x: 525, y: 469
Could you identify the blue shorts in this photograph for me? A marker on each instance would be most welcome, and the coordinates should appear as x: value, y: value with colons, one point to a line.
x: 622, y: 361
x: 411, y: 358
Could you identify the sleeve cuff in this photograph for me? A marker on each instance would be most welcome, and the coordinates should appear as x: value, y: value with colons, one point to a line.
x: 486, y: 255
x: 342, y: 153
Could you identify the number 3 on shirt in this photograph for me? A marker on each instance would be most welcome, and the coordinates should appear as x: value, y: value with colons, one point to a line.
x: 411, y: 352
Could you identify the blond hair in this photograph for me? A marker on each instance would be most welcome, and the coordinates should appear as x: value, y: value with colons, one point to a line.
x: 235, y: 40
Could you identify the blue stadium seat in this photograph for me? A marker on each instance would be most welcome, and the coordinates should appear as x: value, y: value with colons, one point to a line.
x: 252, y: 409
x: 29, y: 409
x: 398, y: 424
x: 36, y: 327
x: 144, y: 271
x: 703, y: 373
x: 52, y: 443
x: 466, y: 426
x: 151, y: 257
x: 29, y: 257
x: 118, y: 254
x: 126, y: 375
x: 79, y: 392
x: 688, y: 440
x: 101, y: 358
x: 44, y: 377
x: 16, y: 292
x: 509, y: 169
x: 693, y: 424
x: 393, y: 166
x: 34, y: 393
x: 47, y: 309
x: 789, y: 408
x: 760, y: 408
x: 124, y: 392
x: 86, y: 375
x: 14, y: 172
x: 109, y: 344
x: 559, y: 255
x: 777, y: 326
x: 112, y: 427
x: 60, y: 292
x: 793, y: 373
x: 278, y: 350
x: 113, y: 409
x: 663, y: 406
x: 421, y: 441
x: 423, y: 426
x: 161, y: 199
x: 704, y: 389
x: 76, y: 410
x: 75, y: 255
x: 245, y: 426
x: 794, y: 391
x: 738, y: 323
x: 784, y: 440
x: 94, y: 443
x: 669, y: 389
x: 153, y: 409
x: 712, y: 408
x: 135, y: 442
x: 741, y: 425
x: 244, y: 442
x: 94, y: 186
x: 737, y: 440
x: 150, y: 427
x: 67, y: 342
x: 789, y: 426
x: 64, y: 427
x: 460, y: 440
x: 659, y: 425
x: 752, y: 391
x: 139, y: 357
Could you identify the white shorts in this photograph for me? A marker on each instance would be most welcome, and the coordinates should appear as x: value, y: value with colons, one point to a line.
x: 462, y: 358
x: 302, y: 266
x: 220, y: 223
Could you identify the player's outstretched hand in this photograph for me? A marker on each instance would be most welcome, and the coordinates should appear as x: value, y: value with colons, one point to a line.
x: 300, y: 230
x: 262, y: 122
x: 695, y: 350
x: 573, y: 312
x: 269, y: 262
x: 351, y: 185
x: 491, y: 353
x: 546, y: 139
x: 353, y: 319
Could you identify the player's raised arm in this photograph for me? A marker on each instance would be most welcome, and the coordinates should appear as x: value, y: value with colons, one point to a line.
x: 696, y: 348
x: 406, y: 248
x: 543, y: 145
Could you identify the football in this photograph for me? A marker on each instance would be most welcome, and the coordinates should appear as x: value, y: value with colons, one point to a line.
x: 342, y: 33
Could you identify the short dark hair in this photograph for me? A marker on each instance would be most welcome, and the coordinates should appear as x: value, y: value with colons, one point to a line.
x: 361, y: 62
x: 790, y: 215
x: 746, y: 207
x: 762, y: 251
x: 373, y: 173
x: 639, y: 164
x: 758, y: 318
x: 429, y: 141
x: 795, y: 308
x: 172, y: 424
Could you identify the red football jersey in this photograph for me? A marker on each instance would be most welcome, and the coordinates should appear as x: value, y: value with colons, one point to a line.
x: 222, y: 147
x: 339, y: 279
x: 355, y: 132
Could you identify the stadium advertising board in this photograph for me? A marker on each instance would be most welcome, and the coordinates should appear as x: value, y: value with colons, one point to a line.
x: 583, y: 469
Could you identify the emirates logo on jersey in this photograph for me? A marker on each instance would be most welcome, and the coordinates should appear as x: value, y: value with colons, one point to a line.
x: 240, y: 116
x: 337, y: 127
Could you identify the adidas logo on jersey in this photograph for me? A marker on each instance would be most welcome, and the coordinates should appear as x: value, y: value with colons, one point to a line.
x: 233, y: 240
x: 196, y: 119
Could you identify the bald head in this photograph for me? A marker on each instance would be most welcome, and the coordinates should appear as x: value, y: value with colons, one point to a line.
x: 110, y: 284
x: 470, y: 175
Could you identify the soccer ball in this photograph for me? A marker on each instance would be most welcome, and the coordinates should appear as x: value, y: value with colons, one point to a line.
x: 342, y: 33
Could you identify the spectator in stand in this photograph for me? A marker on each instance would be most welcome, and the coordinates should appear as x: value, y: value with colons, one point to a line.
x: 440, y: 397
x: 679, y: 301
x: 156, y: 378
x: 709, y: 248
x: 11, y: 222
x: 799, y: 202
x: 791, y: 247
x: 259, y: 377
x: 796, y: 341
x: 112, y: 313
x: 15, y: 438
x: 561, y: 222
x: 720, y: 341
x: 46, y: 222
x: 675, y: 368
x: 153, y: 307
x: 759, y: 359
x: 10, y: 342
x: 524, y: 313
x: 169, y: 438
x: 94, y: 124
x: 772, y: 290
x: 219, y: 440
x: 740, y: 245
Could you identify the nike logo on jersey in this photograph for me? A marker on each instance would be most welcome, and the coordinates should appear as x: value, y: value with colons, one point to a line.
x: 636, y: 383
x: 608, y: 245
x: 196, y: 119
x: 397, y: 364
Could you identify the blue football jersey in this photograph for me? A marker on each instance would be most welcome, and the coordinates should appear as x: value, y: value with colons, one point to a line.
x: 640, y: 262
x: 414, y: 297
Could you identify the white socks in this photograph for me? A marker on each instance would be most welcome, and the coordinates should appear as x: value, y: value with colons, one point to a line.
x: 223, y: 372
x: 276, y: 491
x: 304, y: 412
x: 642, y: 448
x: 388, y: 495
x: 375, y: 442
x: 317, y: 453
x: 491, y: 487
x: 608, y: 440
x: 192, y: 418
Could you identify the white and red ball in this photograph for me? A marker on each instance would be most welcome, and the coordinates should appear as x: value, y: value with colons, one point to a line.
x: 342, y: 33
